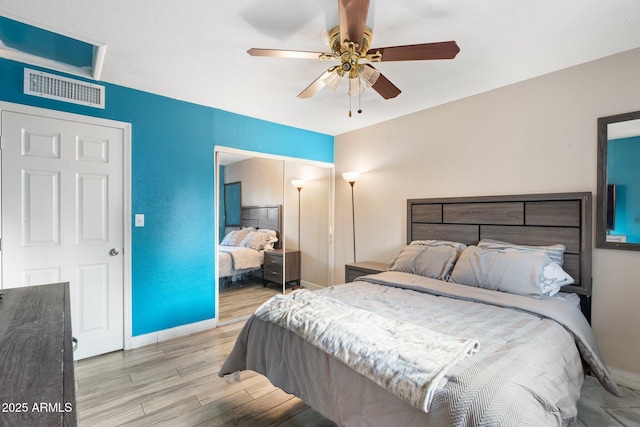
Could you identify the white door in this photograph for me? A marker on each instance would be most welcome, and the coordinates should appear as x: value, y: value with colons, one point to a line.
x: 62, y: 219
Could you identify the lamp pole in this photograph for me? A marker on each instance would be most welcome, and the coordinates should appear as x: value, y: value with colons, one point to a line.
x: 353, y: 220
x: 351, y: 178
x: 299, y: 190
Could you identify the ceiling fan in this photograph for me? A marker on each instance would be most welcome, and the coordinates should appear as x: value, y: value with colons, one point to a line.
x: 350, y: 42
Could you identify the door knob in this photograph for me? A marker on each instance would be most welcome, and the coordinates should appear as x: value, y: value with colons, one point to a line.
x: 114, y: 252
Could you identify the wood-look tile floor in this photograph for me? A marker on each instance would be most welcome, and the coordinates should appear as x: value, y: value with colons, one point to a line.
x: 243, y: 299
x: 176, y: 383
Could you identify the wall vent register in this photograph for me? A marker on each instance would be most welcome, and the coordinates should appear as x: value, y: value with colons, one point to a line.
x: 38, y: 83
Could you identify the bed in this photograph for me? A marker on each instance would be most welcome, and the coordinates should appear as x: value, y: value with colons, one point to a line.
x: 241, y: 251
x: 455, y: 333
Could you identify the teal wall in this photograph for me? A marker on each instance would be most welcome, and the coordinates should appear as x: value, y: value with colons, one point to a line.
x: 622, y: 169
x: 172, y: 179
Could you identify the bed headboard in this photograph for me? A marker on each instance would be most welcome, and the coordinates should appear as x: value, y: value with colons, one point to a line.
x: 533, y: 219
x: 269, y: 217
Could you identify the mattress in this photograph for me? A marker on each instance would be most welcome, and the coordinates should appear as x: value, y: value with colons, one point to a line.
x: 528, y: 369
x: 236, y: 260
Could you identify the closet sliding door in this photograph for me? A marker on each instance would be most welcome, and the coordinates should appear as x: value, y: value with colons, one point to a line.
x: 243, y: 286
x: 309, y: 219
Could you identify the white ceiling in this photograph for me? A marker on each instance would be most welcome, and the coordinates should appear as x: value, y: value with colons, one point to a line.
x: 196, y: 50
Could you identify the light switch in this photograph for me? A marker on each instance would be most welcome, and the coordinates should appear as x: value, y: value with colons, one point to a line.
x: 139, y: 220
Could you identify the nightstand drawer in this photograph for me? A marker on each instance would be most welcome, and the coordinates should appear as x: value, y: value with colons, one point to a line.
x: 273, y: 260
x: 281, y: 266
x: 272, y: 273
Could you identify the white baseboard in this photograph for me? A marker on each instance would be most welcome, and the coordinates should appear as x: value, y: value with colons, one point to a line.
x: 167, y: 334
x: 311, y: 286
x: 625, y: 378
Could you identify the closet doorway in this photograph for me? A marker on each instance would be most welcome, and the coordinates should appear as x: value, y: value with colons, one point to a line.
x: 250, y: 205
x: 260, y: 186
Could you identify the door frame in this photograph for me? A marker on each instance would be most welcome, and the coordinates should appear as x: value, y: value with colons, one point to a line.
x: 126, y: 194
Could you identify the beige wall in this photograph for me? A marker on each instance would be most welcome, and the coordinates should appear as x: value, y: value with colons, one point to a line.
x: 537, y: 136
x: 261, y: 180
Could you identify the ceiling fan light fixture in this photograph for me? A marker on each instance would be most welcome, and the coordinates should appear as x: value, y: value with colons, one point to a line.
x: 332, y: 80
x: 355, y: 86
x: 369, y: 75
x: 352, y: 16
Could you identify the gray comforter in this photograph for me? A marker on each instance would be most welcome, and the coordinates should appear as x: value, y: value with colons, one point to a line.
x: 528, y: 370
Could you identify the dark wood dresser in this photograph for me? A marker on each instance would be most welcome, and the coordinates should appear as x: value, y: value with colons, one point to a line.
x: 37, y: 386
x: 275, y: 260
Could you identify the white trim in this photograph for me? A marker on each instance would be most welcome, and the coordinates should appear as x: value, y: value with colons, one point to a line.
x: 230, y: 150
x: 625, y: 378
x: 171, y: 333
x: 311, y: 286
x: 126, y: 191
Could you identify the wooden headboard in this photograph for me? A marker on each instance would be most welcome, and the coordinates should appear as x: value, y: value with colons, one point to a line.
x: 269, y: 217
x: 532, y: 219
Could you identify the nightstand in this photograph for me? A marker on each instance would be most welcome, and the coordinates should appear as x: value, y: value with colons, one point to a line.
x: 274, y: 261
x: 357, y: 269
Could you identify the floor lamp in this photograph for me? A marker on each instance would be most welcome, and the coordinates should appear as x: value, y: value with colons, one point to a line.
x: 298, y: 183
x: 351, y: 178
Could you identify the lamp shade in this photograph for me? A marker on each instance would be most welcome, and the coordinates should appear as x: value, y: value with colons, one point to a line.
x: 298, y: 183
x: 351, y: 177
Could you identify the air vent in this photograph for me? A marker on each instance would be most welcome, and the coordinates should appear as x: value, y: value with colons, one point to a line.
x: 52, y: 86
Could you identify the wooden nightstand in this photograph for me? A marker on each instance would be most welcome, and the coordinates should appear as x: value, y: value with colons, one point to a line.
x: 273, y: 262
x: 357, y: 269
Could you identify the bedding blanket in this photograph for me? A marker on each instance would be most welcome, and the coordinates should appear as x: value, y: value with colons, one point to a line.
x: 405, y: 359
x: 527, y: 371
x: 242, y: 258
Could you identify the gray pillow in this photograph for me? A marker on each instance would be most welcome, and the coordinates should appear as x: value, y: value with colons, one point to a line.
x: 555, y: 252
x: 429, y: 258
x: 516, y: 272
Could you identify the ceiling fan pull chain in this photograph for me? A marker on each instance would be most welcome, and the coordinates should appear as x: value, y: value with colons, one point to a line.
x: 349, y: 104
x: 359, y: 95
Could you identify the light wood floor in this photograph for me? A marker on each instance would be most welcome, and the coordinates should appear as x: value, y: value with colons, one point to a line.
x: 242, y: 301
x: 176, y: 383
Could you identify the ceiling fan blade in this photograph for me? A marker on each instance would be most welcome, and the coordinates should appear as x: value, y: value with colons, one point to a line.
x: 277, y: 53
x: 317, y: 84
x: 353, y: 19
x: 384, y: 87
x: 416, y: 52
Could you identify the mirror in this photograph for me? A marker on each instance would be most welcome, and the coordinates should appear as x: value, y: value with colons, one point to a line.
x: 303, y: 255
x: 242, y: 287
x: 308, y: 219
x: 232, y: 204
x: 618, y: 199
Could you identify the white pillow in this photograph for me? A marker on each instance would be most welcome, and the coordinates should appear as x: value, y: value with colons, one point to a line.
x: 257, y: 240
x: 523, y: 273
x: 234, y: 238
x: 555, y: 252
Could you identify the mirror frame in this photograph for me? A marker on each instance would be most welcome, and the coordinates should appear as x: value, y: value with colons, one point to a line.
x: 601, y: 201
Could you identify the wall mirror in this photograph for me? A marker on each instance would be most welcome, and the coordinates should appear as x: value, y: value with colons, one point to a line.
x: 303, y: 255
x: 241, y: 286
x: 308, y: 201
x: 618, y: 199
x: 232, y: 204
